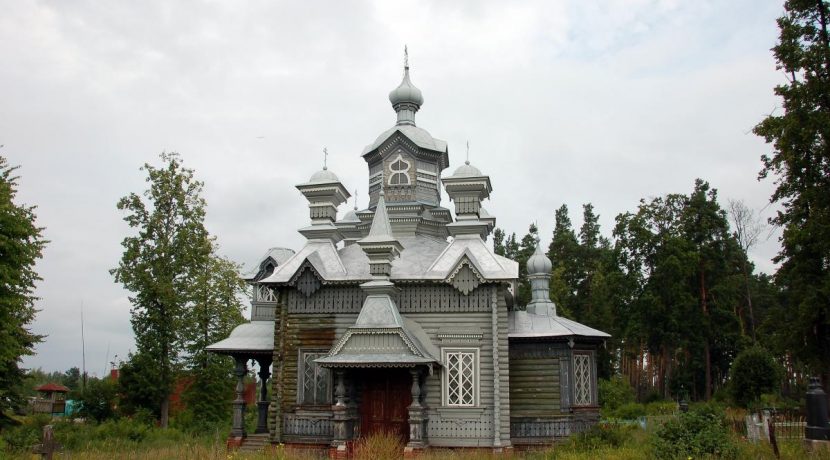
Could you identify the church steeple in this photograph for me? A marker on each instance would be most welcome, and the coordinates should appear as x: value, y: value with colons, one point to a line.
x: 406, y: 99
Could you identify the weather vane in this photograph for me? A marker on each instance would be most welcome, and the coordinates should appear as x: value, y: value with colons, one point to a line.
x: 325, y: 158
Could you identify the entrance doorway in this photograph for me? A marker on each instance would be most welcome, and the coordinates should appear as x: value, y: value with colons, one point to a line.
x: 385, y: 397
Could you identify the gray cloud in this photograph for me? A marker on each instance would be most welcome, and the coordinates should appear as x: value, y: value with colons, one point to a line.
x: 563, y: 102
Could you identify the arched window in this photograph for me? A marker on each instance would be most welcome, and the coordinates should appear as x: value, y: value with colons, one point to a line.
x: 399, y: 172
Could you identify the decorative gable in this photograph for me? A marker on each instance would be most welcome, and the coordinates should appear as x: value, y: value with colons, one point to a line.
x: 307, y: 280
x: 465, y: 277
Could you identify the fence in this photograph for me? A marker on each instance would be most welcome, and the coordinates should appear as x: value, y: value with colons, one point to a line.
x: 785, y: 425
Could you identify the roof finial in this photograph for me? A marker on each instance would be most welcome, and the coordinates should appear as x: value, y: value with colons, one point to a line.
x: 325, y: 158
x: 405, y: 58
x: 382, y: 182
x: 468, y: 153
x: 355, y: 199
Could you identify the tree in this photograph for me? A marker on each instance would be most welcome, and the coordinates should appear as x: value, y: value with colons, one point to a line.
x: 563, y: 253
x: 746, y: 230
x: 800, y: 162
x: 754, y: 373
x: 21, y: 245
x: 526, y: 248
x: 159, y: 265
x: 216, y: 309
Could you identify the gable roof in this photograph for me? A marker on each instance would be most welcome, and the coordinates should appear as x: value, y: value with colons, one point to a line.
x: 419, y: 136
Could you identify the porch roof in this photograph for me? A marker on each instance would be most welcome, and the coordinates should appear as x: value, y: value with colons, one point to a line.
x: 255, y: 337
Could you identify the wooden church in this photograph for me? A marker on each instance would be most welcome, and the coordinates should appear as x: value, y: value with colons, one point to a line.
x: 401, y: 318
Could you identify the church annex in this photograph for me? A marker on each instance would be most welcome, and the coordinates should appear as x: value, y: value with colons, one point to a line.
x: 400, y: 317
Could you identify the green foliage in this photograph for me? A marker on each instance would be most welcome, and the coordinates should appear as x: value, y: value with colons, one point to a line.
x: 754, y: 373
x: 800, y: 163
x: 207, y: 399
x: 22, y: 436
x: 613, y: 393
x: 629, y: 411
x: 661, y: 408
x: 695, y: 434
x: 600, y: 436
x: 99, y: 400
x: 21, y: 245
x: 185, y: 297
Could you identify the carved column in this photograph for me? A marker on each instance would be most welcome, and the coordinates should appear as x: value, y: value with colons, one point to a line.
x: 417, y: 416
x: 238, y: 428
x: 262, y: 404
x: 340, y: 415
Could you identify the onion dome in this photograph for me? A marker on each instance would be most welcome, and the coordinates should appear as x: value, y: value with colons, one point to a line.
x: 539, y: 264
x: 406, y: 92
x: 406, y: 99
x: 323, y: 176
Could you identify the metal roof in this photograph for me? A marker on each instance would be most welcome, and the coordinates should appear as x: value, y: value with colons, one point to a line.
x: 252, y: 337
x: 419, y: 136
x: 522, y: 324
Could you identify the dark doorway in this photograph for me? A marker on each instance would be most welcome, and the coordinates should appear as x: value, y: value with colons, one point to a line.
x: 384, y: 400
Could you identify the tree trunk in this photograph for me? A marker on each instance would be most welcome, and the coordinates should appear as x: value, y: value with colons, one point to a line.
x: 165, y: 411
x: 707, y: 357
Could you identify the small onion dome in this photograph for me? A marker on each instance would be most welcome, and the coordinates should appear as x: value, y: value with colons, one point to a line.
x: 406, y: 92
x: 539, y: 264
x: 323, y: 176
x: 467, y: 170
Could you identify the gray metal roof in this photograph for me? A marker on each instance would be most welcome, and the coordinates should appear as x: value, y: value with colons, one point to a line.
x: 422, y: 258
x: 253, y: 337
x: 278, y: 255
x: 522, y: 324
x: 419, y: 136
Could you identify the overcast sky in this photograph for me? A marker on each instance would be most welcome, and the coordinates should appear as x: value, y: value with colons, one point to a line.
x: 563, y: 102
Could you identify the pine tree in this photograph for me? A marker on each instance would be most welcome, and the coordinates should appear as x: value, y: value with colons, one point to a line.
x: 801, y: 164
x: 21, y: 245
x: 563, y: 252
x: 526, y: 248
x: 159, y: 266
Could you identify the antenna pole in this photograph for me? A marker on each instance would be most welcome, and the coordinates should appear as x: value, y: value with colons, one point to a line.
x: 83, y: 350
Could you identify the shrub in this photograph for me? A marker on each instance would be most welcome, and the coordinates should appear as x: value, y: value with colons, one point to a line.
x: 22, y: 437
x: 661, y: 408
x: 753, y: 373
x: 614, y: 393
x: 601, y: 436
x: 99, y: 399
x: 695, y: 434
x: 630, y: 411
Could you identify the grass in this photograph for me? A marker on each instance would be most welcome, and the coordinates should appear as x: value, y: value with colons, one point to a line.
x: 131, y: 440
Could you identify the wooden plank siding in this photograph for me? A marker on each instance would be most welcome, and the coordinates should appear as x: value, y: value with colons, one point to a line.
x: 534, y: 387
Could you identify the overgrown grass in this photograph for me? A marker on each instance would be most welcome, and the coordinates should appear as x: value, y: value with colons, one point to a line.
x: 136, y: 440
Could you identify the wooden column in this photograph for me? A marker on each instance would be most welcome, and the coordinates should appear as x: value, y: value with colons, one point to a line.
x: 264, y: 402
x: 238, y: 428
x: 417, y: 415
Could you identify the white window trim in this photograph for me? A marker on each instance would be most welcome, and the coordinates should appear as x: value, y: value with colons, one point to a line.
x: 445, y: 376
x: 301, y: 377
x: 271, y: 296
x: 404, y: 172
x: 591, y: 380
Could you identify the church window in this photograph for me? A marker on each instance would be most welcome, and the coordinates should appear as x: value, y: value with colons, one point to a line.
x: 399, y: 171
x: 315, y: 388
x: 264, y: 293
x: 461, y: 377
x: 583, y: 393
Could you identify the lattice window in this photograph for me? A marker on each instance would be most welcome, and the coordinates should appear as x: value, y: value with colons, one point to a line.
x: 582, y: 380
x: 315, y: 381
x: 265, y: 293
x: 399, y: 172
x: 461, y: 377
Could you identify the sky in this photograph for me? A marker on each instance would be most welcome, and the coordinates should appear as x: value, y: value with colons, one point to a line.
x: 562, y: 102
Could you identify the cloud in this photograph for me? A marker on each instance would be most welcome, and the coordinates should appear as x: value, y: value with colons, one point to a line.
x: 562, y: 102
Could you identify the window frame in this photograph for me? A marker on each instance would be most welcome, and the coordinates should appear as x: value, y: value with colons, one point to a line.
x: 403, y: 172
x: 301, y: 382
x: 476, y: 376
x: 589, y: 357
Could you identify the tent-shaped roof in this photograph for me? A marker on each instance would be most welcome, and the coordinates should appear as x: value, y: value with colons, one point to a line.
x: 522, y: 324
x: 52, y: 387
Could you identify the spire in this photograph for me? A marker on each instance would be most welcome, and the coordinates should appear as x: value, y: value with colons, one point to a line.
x: 380, y: 245
x: 406, y: 99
